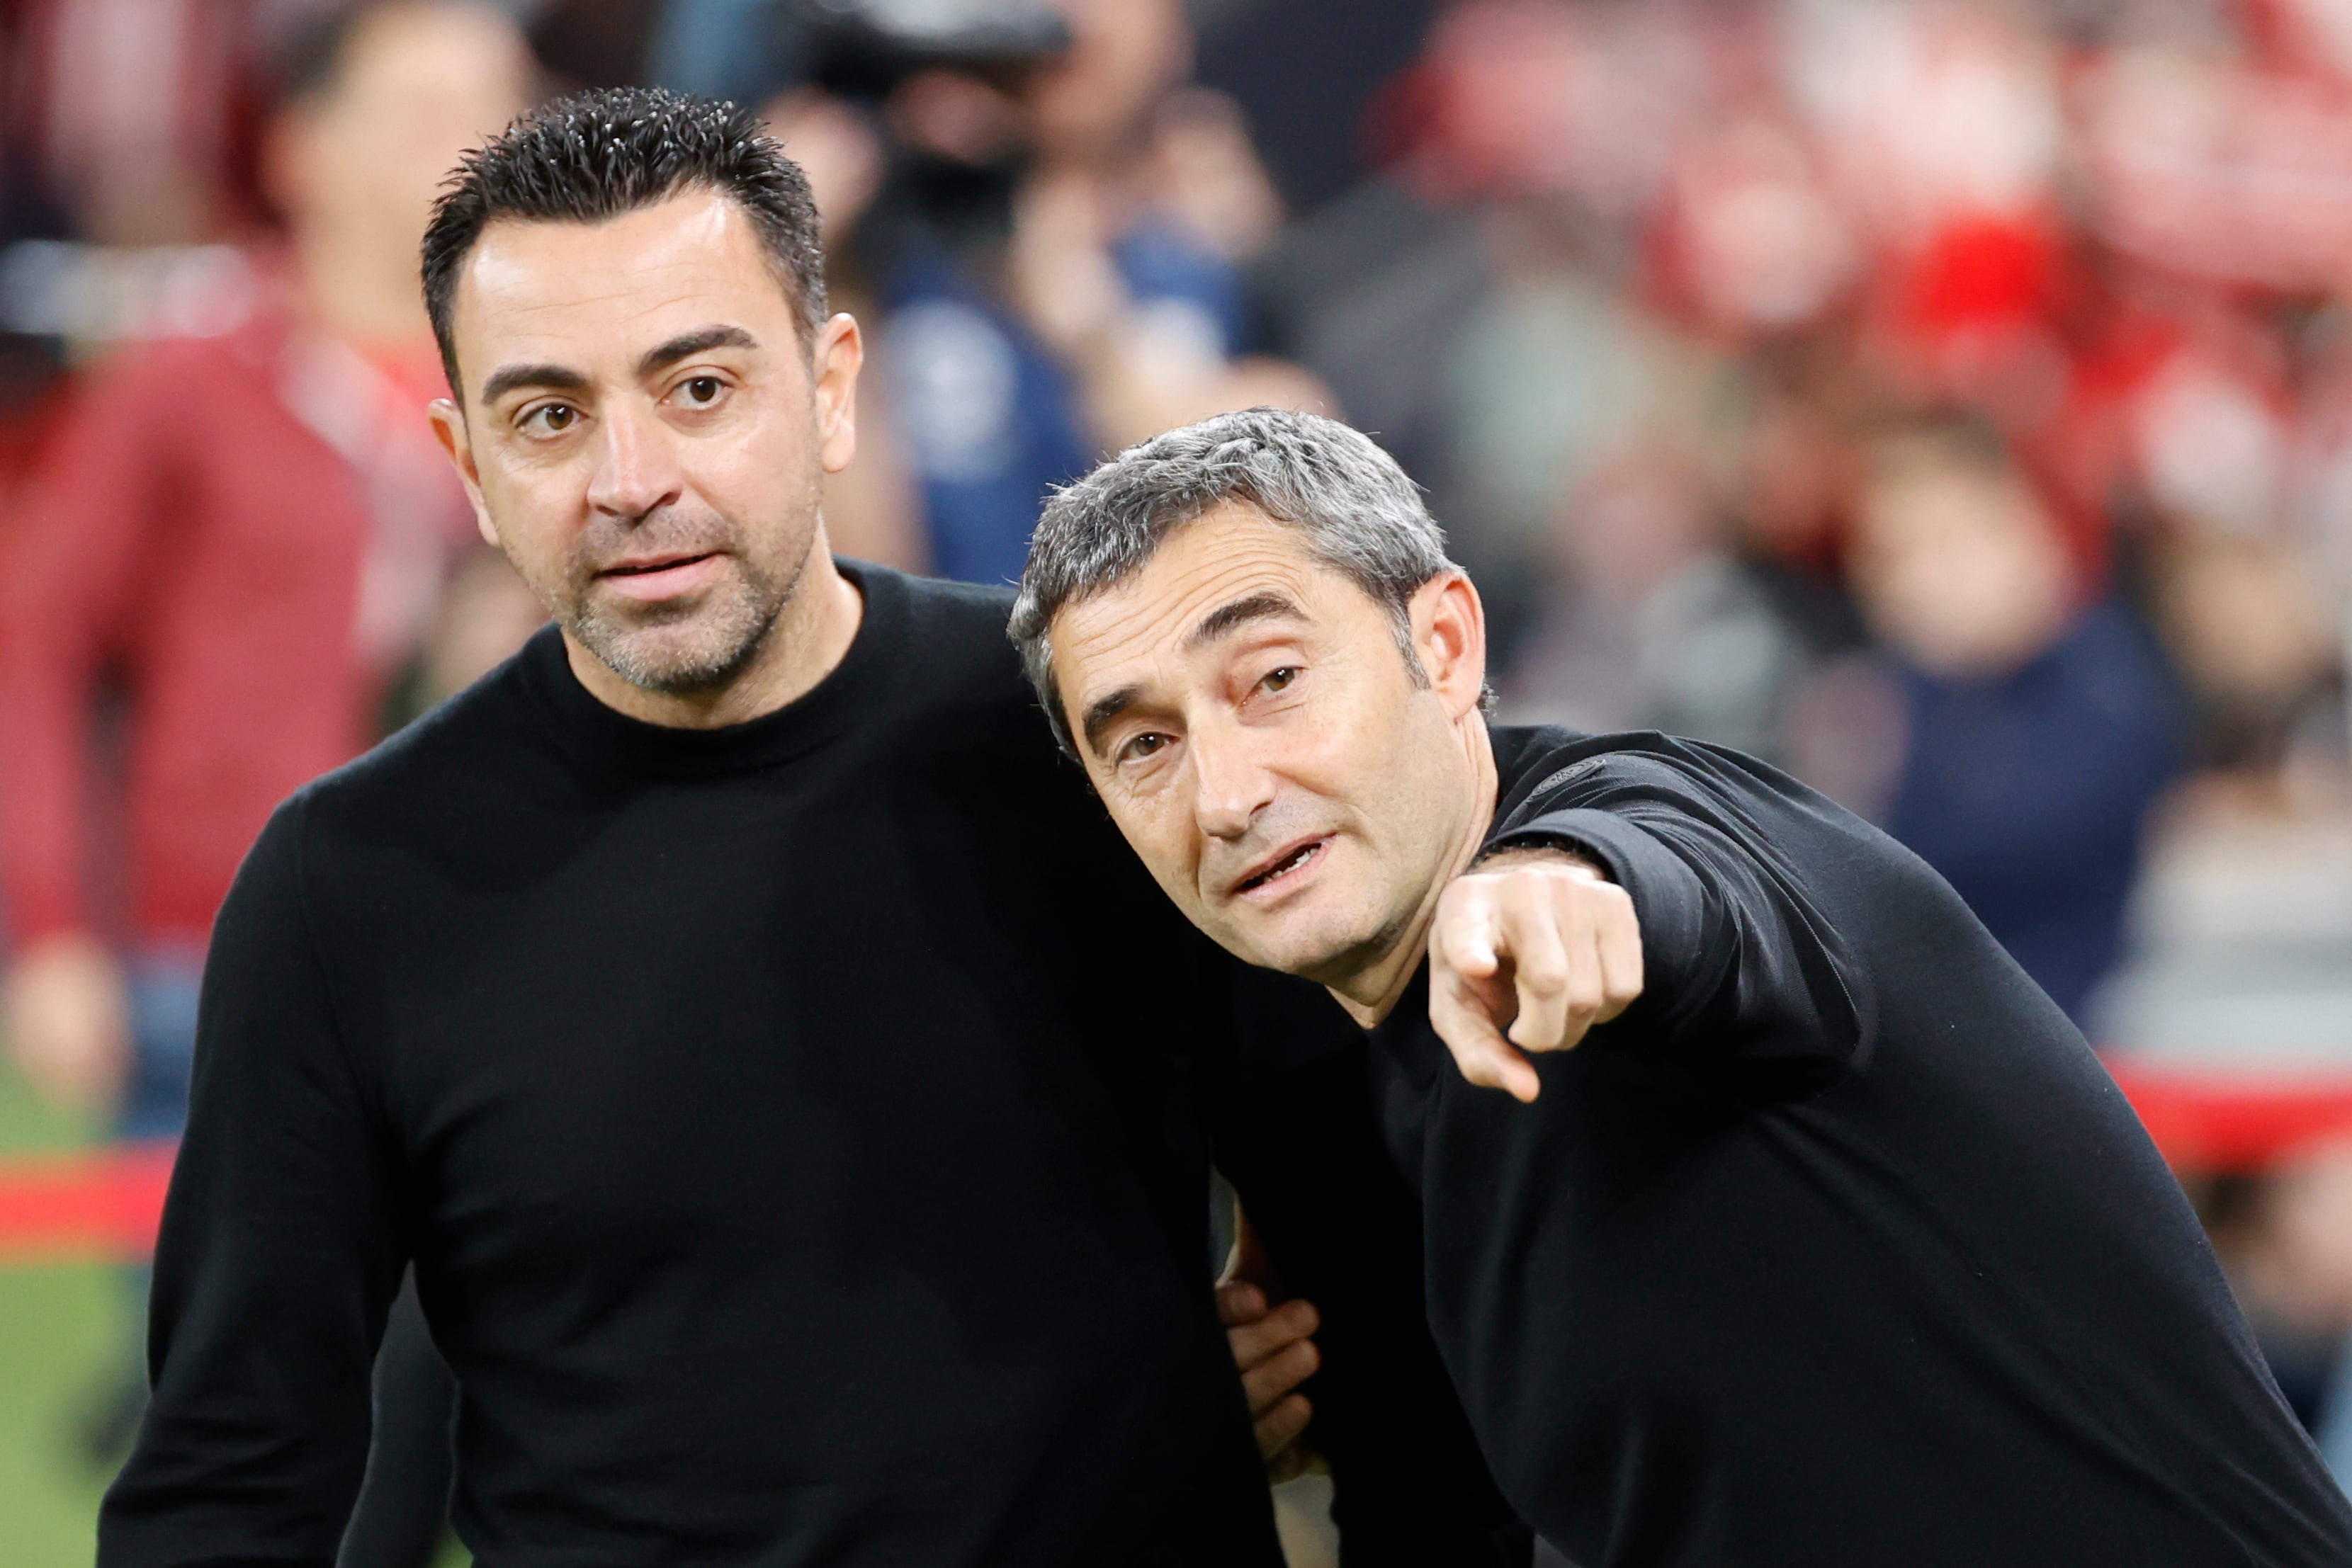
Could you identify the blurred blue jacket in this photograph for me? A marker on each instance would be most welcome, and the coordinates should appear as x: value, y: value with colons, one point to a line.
x: 990, y: 418
x: 2029, y: 790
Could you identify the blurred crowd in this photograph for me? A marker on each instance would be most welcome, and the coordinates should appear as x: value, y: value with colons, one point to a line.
x: 1950, y: 402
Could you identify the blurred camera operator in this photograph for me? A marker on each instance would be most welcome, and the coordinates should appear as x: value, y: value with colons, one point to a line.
x: 1049, y: 224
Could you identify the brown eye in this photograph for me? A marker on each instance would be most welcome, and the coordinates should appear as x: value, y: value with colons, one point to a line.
x: 552, y: 418
x: 1277, y: 679
x: 703, y: 390
x: 1141, y: 747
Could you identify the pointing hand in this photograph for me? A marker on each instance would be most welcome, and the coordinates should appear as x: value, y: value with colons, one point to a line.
x: 1527, y: 952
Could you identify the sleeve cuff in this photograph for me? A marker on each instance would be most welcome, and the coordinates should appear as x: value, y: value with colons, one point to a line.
x: 1669, y: 899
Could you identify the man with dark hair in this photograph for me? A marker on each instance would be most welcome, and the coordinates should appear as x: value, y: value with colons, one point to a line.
x: 1831, y: 1243
x: 729, y: 1005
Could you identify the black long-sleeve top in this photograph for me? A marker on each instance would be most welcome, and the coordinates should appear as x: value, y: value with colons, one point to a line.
x: 1839, y: 1247
x: 800, y: 1132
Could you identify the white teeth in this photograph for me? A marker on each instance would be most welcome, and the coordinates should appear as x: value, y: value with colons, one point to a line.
x: 1289, y: 863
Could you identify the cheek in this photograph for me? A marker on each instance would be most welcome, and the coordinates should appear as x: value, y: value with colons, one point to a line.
x: 1159, y: 835
x: 538, y: 513
x: 1342, y: 744
x: 762, y: 472
x: 1376, y: 757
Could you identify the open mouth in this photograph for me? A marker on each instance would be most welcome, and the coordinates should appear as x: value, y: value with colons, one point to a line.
x: 1289, y: 863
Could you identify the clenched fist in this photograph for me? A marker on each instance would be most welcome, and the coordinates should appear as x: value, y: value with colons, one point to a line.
x: 1528, y: 951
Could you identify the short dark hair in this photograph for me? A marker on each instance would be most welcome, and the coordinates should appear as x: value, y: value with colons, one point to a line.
x: 596, y: 155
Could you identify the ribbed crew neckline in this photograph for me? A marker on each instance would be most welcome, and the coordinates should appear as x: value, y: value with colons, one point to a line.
x: 605, y: 736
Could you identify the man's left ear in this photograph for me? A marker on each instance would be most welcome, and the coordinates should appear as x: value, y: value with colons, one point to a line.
x: 1449, y: 636
x: 840, y: 353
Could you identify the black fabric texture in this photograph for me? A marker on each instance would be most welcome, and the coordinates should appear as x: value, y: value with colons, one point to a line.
x: 1839, y: 1247
x: 800, y: 1132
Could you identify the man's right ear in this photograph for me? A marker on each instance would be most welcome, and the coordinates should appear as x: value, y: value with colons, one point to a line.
x: 1449, y: 635
x: 449, y: 430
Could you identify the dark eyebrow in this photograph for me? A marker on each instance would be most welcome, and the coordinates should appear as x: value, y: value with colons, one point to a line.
x: 1225, y: 618
x: 699, y: 341
x: 559, y: 377
x: 1104, y: 710
x: 554, y: 378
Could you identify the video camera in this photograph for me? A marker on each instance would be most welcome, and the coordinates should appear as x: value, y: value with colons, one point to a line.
x: 864, y: 48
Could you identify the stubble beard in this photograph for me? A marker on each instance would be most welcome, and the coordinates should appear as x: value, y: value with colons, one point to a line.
x: 693, y: 650
x: 699, y: 646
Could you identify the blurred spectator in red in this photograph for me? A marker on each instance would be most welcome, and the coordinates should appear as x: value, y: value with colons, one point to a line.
x: 31, y: 362
x: 247, y: 531
x: 128, y: 112
x: 2037, y: 730
x: 234, y: 546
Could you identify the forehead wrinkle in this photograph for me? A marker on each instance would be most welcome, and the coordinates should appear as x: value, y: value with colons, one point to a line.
x: 1125, y: 630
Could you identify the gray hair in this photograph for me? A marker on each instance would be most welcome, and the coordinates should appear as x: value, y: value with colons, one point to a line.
x: 1360, y: 517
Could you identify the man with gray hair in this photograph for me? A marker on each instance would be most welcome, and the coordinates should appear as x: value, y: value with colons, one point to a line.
x: 1832, y: 1243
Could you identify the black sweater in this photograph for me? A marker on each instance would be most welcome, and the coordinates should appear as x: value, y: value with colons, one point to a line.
x: 1839, y: 1247
x: 800, y: 1132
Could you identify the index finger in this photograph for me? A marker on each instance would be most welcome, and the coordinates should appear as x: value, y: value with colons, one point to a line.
x: 1466, y: 936
x: 1479, y: 1049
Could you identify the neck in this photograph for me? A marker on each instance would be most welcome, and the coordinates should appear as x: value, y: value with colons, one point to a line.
x: 357, y: 290
x: 1371, y: 993
x: 808, y: 642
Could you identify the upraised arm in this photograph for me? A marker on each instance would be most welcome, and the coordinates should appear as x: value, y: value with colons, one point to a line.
x: 1630, y: 891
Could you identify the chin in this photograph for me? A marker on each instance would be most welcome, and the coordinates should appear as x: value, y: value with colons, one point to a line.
x: 1305, y: 947
x: 691, y: 652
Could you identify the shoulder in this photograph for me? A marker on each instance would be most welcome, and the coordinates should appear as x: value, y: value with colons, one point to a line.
x: 967, y: 614
x: 958, y: 656
x: 443, y: 761
x: 1543, y: 770
x: 1547, y: 768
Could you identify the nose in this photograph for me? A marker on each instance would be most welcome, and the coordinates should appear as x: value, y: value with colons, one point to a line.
x: 637, y: 472
x: 1229, y: 788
